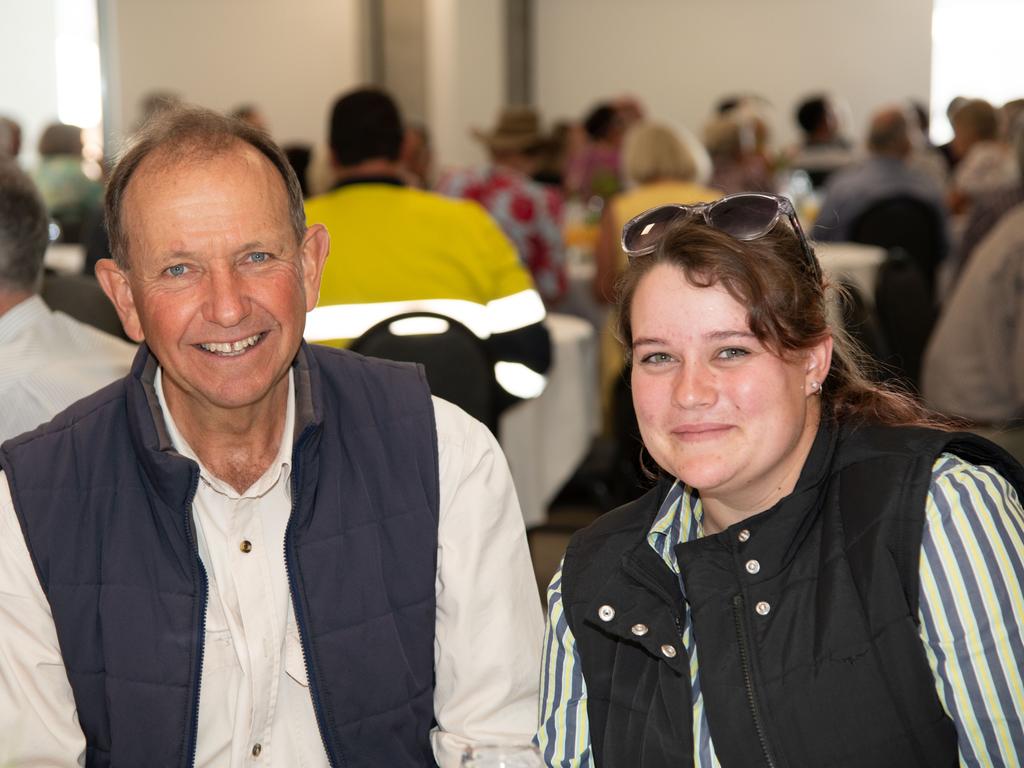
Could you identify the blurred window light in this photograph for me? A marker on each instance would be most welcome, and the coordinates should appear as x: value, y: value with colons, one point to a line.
x: 79, y: 85
x: 975, y: 53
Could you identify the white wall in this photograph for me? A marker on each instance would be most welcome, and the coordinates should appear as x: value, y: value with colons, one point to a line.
x: 28, y: 63
x: 680, y: 56
x: 289, y: 58
x: 465, y: 45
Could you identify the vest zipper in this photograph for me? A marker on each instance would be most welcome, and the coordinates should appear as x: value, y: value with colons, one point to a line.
x: 748, y: 679
x: 314, y: 690
x: 199, y: 569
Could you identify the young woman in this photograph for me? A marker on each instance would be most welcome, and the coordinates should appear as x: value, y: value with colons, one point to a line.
x: 825, y: 575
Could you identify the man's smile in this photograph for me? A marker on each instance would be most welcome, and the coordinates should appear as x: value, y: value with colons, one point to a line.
x: 232, y: 348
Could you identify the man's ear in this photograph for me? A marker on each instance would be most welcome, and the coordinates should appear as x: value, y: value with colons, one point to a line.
x: 316, y: 244
x: 115, y: 284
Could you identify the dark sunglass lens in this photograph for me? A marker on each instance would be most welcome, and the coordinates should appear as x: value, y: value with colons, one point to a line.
x: 745, y: 218
x: 648, y: 228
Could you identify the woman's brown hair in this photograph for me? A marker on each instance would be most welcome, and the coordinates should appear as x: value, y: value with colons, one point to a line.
x: 787, y: 309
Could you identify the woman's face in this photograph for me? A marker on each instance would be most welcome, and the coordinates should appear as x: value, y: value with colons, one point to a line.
x: 715, y: 407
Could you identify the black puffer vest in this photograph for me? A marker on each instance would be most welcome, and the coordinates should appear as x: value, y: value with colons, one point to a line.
x: 105, y: 505
x: 812, y: 660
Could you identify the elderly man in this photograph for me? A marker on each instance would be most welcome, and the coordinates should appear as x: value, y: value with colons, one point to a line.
x: 884, y: 174
x: 47, y: 359
x: 251, y: 550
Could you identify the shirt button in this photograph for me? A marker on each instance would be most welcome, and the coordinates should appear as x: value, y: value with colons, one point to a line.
x: 246, y: 546
x: 669, y: 651
x: 606, y: 613
x: 639, y: 629
x: 753, y: 566
x: 743, y: 535
x: 762, y: 608
x: 256, y: 749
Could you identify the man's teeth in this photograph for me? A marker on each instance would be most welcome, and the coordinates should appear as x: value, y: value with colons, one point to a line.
x: 232, y: 347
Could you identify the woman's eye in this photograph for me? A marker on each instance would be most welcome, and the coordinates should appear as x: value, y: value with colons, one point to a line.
x: 732, y: 353
x: 656, y: 357
x: 176, y: 270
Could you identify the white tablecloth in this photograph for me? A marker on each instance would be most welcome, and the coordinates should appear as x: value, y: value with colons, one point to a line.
x: 546, y: 439
x: 855, y: 263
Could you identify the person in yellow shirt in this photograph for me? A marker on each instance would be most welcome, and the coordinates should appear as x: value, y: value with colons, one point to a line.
x: 398, y: 249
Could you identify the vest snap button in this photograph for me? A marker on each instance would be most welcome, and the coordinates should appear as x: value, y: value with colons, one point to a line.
x: 743, y: 535
x: 246, y: 546
x: 753, y: 566
x: 669, y: 651
x: 639, y: 629
x: 256, y: 749
x: 606, y: 613
x: 762, y: 608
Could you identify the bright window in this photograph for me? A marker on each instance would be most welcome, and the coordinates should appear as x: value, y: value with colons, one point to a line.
x: 975, y: 53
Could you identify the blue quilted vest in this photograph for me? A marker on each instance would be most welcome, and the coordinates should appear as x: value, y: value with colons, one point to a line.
x: 105, y: 505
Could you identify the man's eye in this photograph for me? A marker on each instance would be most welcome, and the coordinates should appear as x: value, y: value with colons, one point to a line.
x: 177, y: 270
x: 259, y: 257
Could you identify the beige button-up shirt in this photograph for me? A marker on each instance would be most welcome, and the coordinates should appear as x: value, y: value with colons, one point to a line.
x: 255, y: 708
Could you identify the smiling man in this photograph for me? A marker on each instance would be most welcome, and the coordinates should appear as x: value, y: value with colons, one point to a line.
x: 252, y: 550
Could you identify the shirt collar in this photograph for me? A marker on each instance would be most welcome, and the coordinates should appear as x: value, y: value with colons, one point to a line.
x: 680, y: 518
x: 279, y: 468
x: 21, y: 316
x: 393, y: 181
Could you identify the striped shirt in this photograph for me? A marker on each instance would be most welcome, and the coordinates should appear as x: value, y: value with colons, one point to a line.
x: 971, y: 611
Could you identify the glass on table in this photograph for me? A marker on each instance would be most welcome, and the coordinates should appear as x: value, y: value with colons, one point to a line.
x: 502, y: 756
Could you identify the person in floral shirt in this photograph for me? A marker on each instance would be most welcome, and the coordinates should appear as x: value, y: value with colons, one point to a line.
x: 529, y: 213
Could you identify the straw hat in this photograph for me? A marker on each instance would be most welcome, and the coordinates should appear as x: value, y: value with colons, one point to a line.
x: 518, y: 130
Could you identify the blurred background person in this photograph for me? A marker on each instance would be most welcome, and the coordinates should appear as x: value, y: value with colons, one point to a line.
x: 558, y: 145
x: 529, y: 213
x: 824, y: 147
x: 974, y: 363
x: 738, y: 164
x: 986, y: 162
x: 397, y: 249
x: 659, y: 168
x: 417, y: 156
x: 10, y: 138
x: 883, y: 174
x: 989, y: 207
x: 595, y: 170
x: 48, y: 360
x: 71, y: 197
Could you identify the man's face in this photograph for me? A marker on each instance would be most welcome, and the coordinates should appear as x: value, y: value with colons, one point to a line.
x: 218, y: 287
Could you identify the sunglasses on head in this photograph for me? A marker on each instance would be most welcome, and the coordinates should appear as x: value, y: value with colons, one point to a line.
x: 744, y: 216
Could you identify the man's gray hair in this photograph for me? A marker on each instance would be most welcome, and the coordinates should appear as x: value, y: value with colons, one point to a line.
x: 24, y: 230
x: 889, y: 133
x: 184, y: 135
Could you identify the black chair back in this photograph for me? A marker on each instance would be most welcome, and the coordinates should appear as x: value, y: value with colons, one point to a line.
x: 908, y: 223
x: 861, y: 324
x: 81, y: 297
x: 457, y: 363
x: 906, y: 314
